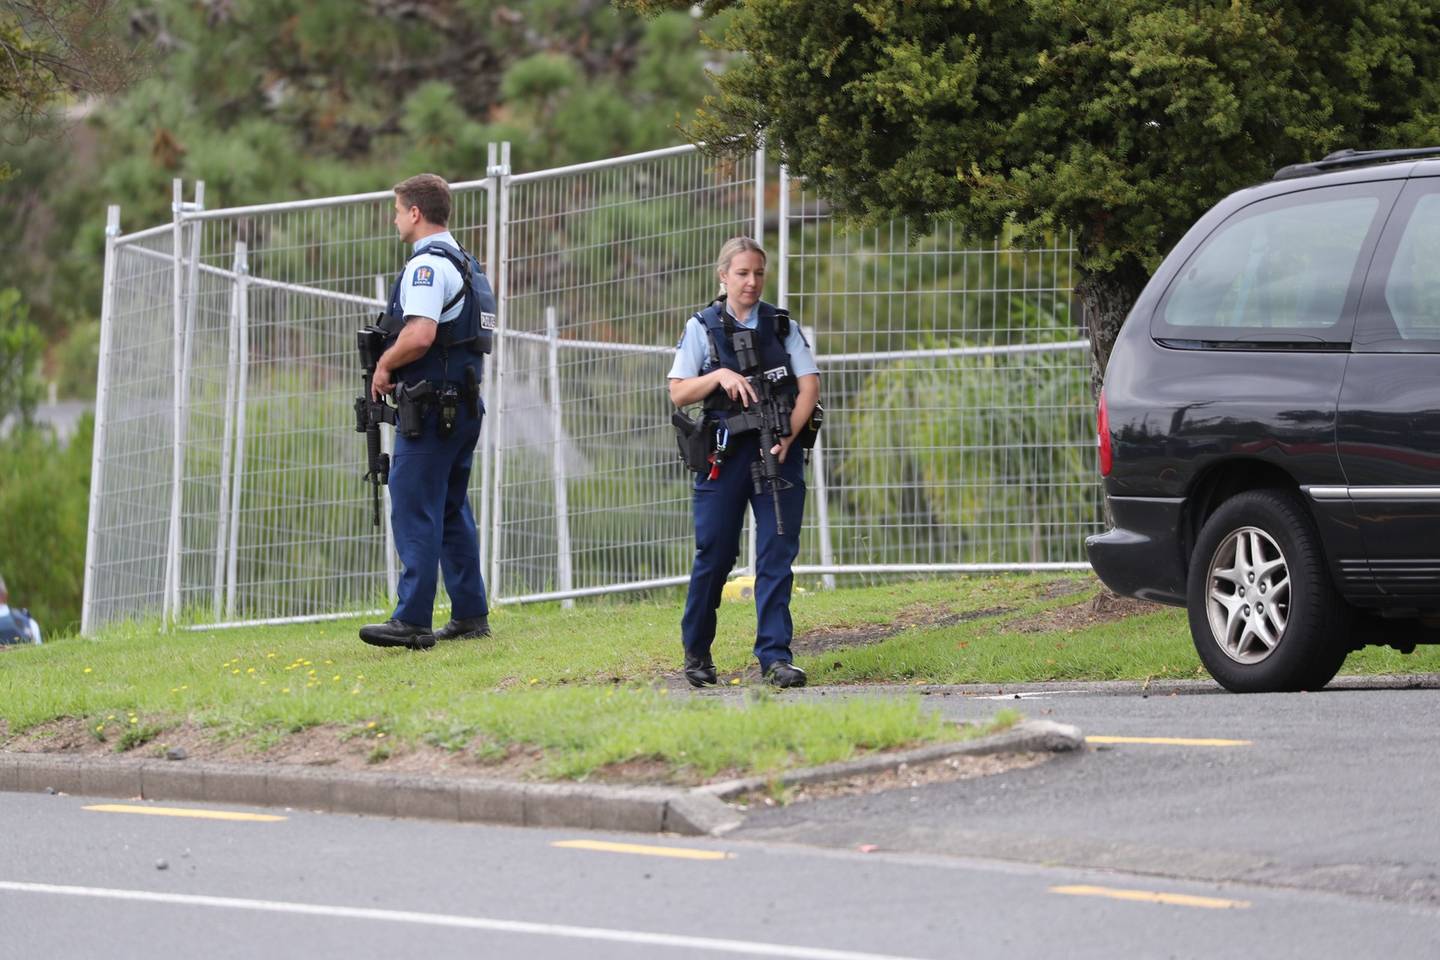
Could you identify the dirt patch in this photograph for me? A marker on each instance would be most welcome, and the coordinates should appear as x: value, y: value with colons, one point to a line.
x: 1105, y: 607
x: 904, y: 777
x: 916, y: 615
x: 336, y: 747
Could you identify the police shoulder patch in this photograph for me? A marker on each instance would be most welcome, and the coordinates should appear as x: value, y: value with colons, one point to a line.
x: 424, y: 277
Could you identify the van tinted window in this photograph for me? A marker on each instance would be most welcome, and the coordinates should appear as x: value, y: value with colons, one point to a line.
x: 1283, y: 265
x: 1412, y: 291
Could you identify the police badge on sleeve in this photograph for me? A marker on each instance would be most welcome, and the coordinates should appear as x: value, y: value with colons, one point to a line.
x: 424, y: 277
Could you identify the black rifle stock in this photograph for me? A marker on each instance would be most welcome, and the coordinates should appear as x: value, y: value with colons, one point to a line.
x: 369, y: 414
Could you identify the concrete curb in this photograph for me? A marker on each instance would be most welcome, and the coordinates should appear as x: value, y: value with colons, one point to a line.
x: 691, y: 812
x: 586, y: 806
x: 1030, y: 736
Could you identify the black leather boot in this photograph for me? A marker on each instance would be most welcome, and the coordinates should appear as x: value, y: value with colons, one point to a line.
x: 466, y: 629
x: 700, y: 671
x: 397, y: 633
x: 783, y: 674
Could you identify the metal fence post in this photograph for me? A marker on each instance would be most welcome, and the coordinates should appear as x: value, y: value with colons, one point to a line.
x: 177, y: 358
x: 97, y: 446
x: 817, y: 455
x: 497, y: 372
x: 183, y: 331
x: 232, y: 361
x: 487, y: 439
x: 562, y: 503
x: 241, y: 308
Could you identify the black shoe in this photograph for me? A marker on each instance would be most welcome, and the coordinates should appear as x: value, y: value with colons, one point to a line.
x: 784, y: 674
x: 397, y: 633
x: 700, y: 671
x: 466, y: 629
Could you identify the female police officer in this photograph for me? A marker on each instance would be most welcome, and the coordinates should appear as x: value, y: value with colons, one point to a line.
x: 707, y: 369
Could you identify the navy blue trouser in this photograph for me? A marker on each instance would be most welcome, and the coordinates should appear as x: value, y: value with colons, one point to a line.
x: 719, y: 507
x: 433, y: 524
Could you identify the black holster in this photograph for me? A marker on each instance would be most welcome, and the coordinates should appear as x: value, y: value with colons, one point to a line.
x: 410, y: 402
x: 694, y: 439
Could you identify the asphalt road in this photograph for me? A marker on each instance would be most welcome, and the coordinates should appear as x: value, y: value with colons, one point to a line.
x: 1317, y: 840
x: 1337, y: 790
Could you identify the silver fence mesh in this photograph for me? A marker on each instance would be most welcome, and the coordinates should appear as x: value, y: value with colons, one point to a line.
x: 959, y: 431
x: 603, y: 266
x: 272, y: 519
x: 955, y: 376
x: 130, y: 503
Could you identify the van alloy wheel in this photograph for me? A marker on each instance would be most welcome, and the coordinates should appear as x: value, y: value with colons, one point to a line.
x: 1249, y: 595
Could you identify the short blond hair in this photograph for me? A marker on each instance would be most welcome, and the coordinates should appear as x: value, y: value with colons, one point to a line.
x: 733, y: 246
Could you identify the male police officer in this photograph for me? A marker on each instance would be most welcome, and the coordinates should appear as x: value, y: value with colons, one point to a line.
x: 434, y: 370
x: 16, y: 626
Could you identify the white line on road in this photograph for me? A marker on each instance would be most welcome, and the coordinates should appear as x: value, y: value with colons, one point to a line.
x: 745, y: 947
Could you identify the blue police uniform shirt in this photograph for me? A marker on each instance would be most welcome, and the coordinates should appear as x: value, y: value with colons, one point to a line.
x: 34, y: 624
x: 430, y: 281
x: 694, y: 348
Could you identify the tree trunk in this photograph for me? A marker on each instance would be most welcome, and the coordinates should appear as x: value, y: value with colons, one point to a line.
x: 1107, y: 298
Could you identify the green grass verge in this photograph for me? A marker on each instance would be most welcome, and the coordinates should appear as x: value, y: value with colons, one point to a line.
x: 576, y: 684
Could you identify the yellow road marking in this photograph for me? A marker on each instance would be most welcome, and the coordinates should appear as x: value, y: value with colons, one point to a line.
x: 184, y: 812
x: 682, y: 853
x: 1154, y: 896
x: 1172, y: 741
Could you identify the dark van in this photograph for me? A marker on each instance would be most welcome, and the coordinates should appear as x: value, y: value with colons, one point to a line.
x: 1270, y: 425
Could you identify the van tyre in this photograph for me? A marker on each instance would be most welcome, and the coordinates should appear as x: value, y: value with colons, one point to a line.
x: 1264, y: 613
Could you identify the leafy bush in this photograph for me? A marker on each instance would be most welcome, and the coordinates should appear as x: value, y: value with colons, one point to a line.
x: 44, y: 499
x: 20, y: 347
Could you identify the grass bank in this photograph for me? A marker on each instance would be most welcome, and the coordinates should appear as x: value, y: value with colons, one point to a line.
x: 586, y: 689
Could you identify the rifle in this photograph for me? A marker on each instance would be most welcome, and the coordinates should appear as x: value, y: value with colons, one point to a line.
x: 369, y: 414
x: 769, y: 418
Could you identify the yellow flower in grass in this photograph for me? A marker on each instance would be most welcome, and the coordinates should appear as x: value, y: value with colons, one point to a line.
x: 87, y: 669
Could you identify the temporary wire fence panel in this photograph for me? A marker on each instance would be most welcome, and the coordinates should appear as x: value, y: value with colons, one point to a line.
x: 130, y: 516
x: 959, y: 430
x: 273, y: 519
x: 955, y: 376
x: 604, y: 264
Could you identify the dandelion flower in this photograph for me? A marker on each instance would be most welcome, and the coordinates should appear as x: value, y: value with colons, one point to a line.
x: 87, y: 669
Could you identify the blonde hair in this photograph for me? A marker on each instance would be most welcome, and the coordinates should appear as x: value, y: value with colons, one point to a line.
x: 728, y: 251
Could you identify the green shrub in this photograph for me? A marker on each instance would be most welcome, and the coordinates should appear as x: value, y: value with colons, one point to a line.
x: 44, y: 500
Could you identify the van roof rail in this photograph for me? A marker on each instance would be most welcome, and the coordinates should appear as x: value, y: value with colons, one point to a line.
x: 1341, y: 159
